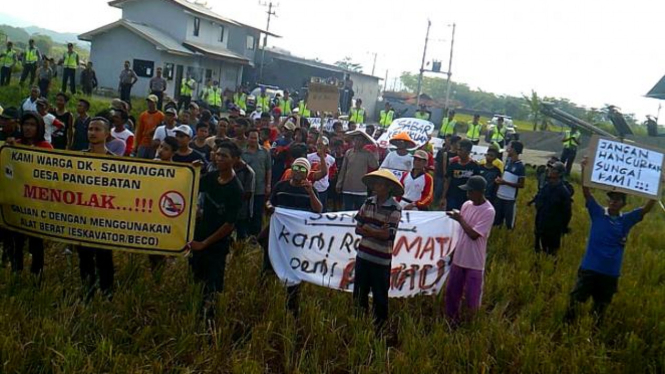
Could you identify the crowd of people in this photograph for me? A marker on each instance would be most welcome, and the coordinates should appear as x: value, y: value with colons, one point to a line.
x: 273, y: 157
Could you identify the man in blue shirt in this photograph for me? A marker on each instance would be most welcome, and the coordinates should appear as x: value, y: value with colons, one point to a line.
x: 598, y: 275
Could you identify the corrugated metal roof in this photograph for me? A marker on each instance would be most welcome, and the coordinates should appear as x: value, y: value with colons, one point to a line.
x: 157, y: 37
x: 658, y: 91
x: 202, y: 11
x: 315, y: 64
x: 218, y: 52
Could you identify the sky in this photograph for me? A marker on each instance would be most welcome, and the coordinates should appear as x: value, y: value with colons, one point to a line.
x: 593, y: 52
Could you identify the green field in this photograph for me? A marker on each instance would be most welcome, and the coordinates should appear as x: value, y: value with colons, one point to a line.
x: 153, y: 326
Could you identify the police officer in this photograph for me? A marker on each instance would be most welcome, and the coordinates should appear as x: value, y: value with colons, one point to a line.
x: 357, y: 113
x: 240, y: 98
x: 386, y: 116
x: 69, y: 62
x: 214, y: 98
x: 186, y: 88
x: 422, y: 113
x: 571, y: 140
x: 473, y: 133
x: 499, y: 134
x: 285, y: 104
x: 30, y: 58
x: 448, y: 125
x: 7, y: 62
x: 263, y: 101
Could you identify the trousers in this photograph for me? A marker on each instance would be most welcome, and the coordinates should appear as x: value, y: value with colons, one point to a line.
x: 463, y: 282
x: 375, y: 278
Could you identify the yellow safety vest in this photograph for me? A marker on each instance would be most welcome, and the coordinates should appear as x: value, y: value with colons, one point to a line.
x: 263, y: 103
x: 214, y: 97
x: 240, y: 100
x: 424, y: 116
x: 573, y: 140
x: 302, y: 108
x: 498, y: 135
x: 185, y: 89
x: 385, y: 119
x: 474, y: 131
x: 31, y: 55
x: 69, y: 60
x: 285, y: 106
x: 447, y: 127
x: 357, y: 115
x: 9, y: 58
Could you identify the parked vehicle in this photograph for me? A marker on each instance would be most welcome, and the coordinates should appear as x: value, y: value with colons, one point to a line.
x: 511, y: 129
x: 271, y: 91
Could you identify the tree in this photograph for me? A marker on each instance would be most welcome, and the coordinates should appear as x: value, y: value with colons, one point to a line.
x: 44, y: 43
x: 348, y: 64
x: 534, y: 106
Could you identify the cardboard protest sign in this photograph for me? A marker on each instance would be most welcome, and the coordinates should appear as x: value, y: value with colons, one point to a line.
x: 419, y: 130
x: 624, y: 167
x: 98, y: 201
x: 321, y: 249
x: 478, y: 152
x: 323, y: 97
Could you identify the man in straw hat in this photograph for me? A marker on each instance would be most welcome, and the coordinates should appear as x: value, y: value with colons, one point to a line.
x: 468, y: 267
x: 357, y: 162
x: 400, y: 159
x: 376, y: 223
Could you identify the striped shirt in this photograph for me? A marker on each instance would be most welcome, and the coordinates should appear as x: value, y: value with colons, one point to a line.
x: 389, y: 213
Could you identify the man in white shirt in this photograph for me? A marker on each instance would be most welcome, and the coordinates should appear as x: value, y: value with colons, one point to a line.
x: 418, y: 185
x: 400, y: 159
x: 30, y: 103
x: 167, y: 129
x: 51, y: 123
x: 321, y: 174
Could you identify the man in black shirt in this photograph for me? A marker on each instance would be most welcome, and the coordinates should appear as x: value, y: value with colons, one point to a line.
x: 553, y: 210
x: 185, y: 153
x: 459, y: 170
x: 295, y: 193
x: 223, y: 199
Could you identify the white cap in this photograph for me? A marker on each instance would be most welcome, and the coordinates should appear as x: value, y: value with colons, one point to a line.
x: 185, y: 129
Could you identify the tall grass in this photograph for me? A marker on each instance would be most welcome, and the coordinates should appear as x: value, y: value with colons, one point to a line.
x: 154, y: 327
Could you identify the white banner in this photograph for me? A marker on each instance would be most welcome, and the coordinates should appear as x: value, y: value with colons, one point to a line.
x: 478, y: 152
x: 321, y: 249
x: 419, y: 130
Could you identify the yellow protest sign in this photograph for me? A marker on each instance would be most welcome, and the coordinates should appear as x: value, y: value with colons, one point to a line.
x: 98, y: 201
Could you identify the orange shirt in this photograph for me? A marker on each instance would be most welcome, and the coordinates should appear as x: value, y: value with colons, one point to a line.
x: 146, y: 125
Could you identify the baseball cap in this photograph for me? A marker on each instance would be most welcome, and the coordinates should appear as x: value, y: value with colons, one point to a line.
x: 558, y: 166
x: 421, y: 155
x: 475, y: 183
x: 152, y: 98
x: 184, y: 129
x: 9, y: 113
x: 171, y: 111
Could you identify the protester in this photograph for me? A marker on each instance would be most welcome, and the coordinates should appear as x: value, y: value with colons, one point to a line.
x: 185, y: 153
x: 441, y: 162
x: 63, y: 138
x: 418, y: 185
x: 280, y: 151
x: 88, y: 79
x: 461, y: 168
x: 53, y: 126
x: 400, y: 159
x: 99, y: 130
x: 598, y: 275
x: 199, y: 143
x: 146, y: 126
x: 553, y: 211
x: 223, y: 200
x: 126, y: 81
x: 9, y: 125
x: 247, y: 178
x: 69, y: 62
x: 513, y: 179
x: 31, y: 56
x: 120, y: 131
x: 357, y: 162
x: 241, y: 132
x: 323, y: 170
x: 468, y: 266
x: 167, y: 129
x: 30, y: 103
x: 222, y: 127
x: 490, y: 171
x: 44, y: 76
x: 294, y: 193
x: 377, y: 222
x: 157, y: 87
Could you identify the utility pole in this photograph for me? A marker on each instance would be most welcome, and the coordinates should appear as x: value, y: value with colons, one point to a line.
x: 270, y: 13
x: 450, y: 66
x: 385, y: 82
x: 422, y: 65
x: 374, y: 64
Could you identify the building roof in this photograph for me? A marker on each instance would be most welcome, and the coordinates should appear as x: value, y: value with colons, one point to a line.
x: 658, y: 91
x: 202, y: 11
x: 313, y: 63
x: 160, y: 39
x: 218, y: 52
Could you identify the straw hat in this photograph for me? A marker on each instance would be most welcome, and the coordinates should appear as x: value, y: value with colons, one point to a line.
x: 386, y: 175
x: 368, y: 138
x: 403, y: 136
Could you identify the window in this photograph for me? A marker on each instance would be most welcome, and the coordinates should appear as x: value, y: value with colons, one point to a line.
x: 250, y: 42
x: 144, y: 68
x: 167, y: 72
x: 197, y: 25
x: 221, y: 34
